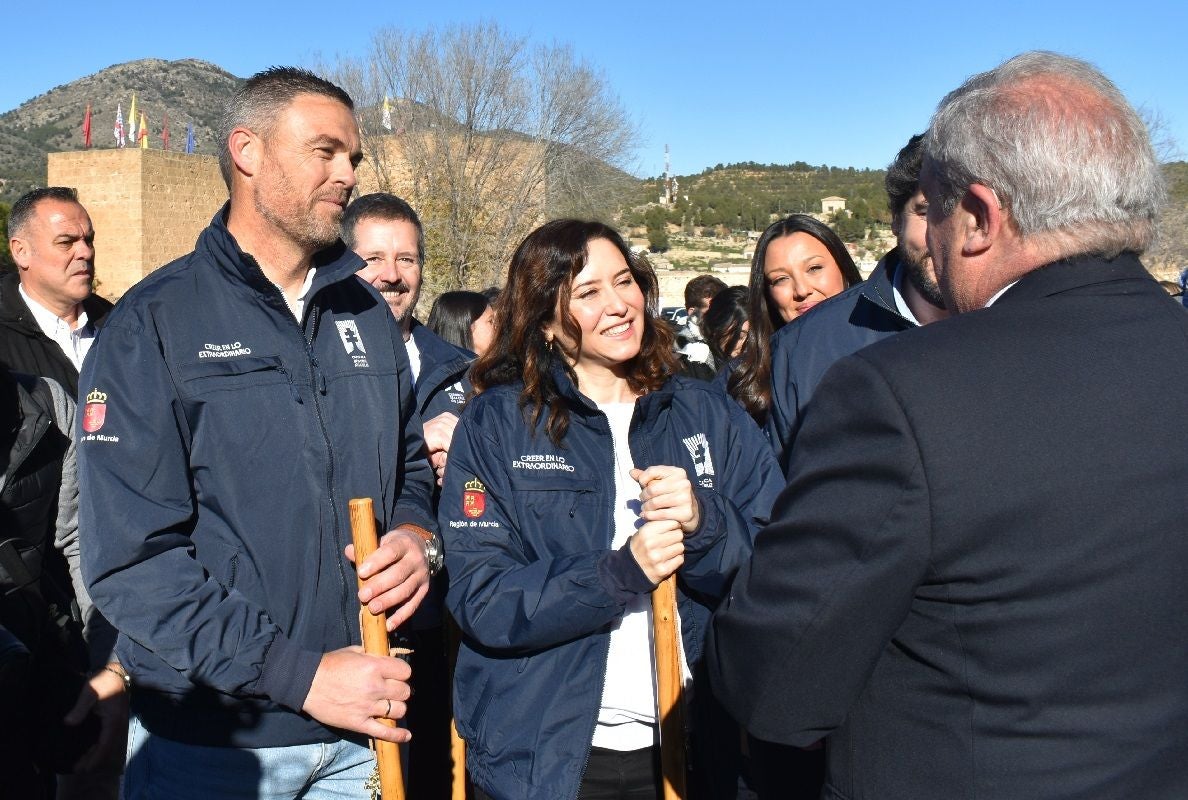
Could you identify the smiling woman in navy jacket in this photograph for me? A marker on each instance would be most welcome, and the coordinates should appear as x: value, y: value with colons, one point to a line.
x: 582, y: 475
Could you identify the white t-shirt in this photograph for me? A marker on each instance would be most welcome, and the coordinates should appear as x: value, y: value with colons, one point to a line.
x: 627, y: 716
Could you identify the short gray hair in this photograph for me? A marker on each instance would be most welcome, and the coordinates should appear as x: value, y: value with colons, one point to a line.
x: 262, y: 98
x: 1060, y: 146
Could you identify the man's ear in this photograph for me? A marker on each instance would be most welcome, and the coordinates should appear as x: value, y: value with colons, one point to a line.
x: 897, y: 223
x: 246, y: 150
x: 19, y: 249
x: 984, y: 219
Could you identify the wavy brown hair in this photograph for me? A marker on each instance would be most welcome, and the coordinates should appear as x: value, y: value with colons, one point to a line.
x: 538, y: 285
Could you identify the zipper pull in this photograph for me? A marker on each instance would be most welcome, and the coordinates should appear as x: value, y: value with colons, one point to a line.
x: 321, y: 384
x: 292, y: 386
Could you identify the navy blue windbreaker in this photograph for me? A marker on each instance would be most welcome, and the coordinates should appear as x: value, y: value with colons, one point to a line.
x: 803, y: 350
x: 534, y: 585
x: 220, y: 441
x: 442, y: 384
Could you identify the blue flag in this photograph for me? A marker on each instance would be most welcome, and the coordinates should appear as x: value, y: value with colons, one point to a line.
x: 189, y: 137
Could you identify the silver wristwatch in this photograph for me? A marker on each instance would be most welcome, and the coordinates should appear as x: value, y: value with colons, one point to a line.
x: 433, y: 555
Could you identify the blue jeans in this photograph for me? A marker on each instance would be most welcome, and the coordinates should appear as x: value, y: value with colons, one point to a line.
x: 159, y: 768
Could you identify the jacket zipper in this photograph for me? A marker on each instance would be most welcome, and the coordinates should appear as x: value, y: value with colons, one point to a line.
x: 318, y: 386
x: 318, y: 383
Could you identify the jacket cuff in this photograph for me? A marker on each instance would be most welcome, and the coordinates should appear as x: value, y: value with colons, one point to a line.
x: 288, y: 672
x: 407, y: 515
x: 622, y: 576
x: 712, y: 522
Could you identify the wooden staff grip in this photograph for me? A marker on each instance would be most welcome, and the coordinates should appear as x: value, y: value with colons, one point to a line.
x: 375, y: 642
x: 669, y: 687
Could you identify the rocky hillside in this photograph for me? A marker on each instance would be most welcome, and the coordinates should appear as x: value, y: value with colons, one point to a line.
x: 188, y: 91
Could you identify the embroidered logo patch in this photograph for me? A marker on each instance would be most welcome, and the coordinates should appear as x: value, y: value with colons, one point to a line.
x: 703, y: 464
x: 348, y: 331
x: 474, y: 499
x: 95, y: 411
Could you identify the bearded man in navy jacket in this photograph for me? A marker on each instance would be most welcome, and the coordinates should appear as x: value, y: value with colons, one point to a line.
x: 973, y: 584
x: 240, y: 397
x: 386, y: 232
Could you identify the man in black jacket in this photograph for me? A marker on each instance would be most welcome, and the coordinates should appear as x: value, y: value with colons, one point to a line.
x: 65, y: 706
x: 48, y: 309
x: 974, y: 582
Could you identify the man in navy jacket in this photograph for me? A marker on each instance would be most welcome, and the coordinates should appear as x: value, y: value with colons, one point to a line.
x: 973, y: 584
x: 901, y: 293
x: 240, y: 397
x: 386, y: 232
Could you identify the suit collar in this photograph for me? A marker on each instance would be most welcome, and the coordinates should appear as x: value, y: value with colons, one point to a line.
x: 1078, y: 273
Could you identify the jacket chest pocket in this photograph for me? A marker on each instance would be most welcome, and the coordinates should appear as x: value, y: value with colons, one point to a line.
x: 232, y: 374
x: 560, y: 516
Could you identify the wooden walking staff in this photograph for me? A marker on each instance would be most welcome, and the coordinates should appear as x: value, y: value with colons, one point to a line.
x: 375, y: 642
x: 669, y: 686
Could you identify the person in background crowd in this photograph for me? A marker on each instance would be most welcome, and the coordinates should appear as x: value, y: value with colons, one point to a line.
x: 725, y: 325
x: 900, y: 294
x: 64, y: 706
x: 973, y: 585
x: 799, y: 262
x: 690, y: 339
x: 581, y: 475
x: 464, y: 319
x: 237, y: 398
x: 48, y: 309
x: 387, y: 234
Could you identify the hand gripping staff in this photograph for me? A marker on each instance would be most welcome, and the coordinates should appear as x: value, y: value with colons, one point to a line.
x: 669, y: 687
x: 375, y: 642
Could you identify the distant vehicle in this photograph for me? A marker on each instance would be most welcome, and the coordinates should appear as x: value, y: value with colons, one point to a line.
x: 677, y: 314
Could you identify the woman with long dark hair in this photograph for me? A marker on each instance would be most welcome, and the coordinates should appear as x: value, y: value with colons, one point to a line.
x: 725, y: 325
x: 465, y: 319
x: 799, y: 262
x: 581, y: 475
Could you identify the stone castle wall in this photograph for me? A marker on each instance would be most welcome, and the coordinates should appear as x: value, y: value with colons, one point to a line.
x: 147, y: 206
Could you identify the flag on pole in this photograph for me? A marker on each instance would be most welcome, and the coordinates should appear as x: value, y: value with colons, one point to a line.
x: 142, y: 134
x: 132, y: 121
x: 87, y: 127
x: 189, y: 137
x: 119, y: 126
x: 165, y: 133
x: 387, y: 120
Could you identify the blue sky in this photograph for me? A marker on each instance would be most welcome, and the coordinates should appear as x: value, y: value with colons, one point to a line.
x: 835, y: 82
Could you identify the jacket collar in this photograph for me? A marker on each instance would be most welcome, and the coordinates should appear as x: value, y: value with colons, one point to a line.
x: 337, y: 262
x: 879, y: 288
x: 1076, y: 273
x: 648, y: 406
x: 15, y: 312
x: 437, y: 349
x: 441, y: 362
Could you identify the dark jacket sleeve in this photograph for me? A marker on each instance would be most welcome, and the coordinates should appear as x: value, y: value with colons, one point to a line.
x: 783, y: 417
x: 501, y: 594
x: 834, y: 574
x: 135, y: 513
x: 732, y: 513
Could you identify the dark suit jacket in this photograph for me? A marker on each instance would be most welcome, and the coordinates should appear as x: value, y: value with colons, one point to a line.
x: 976, y: 581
